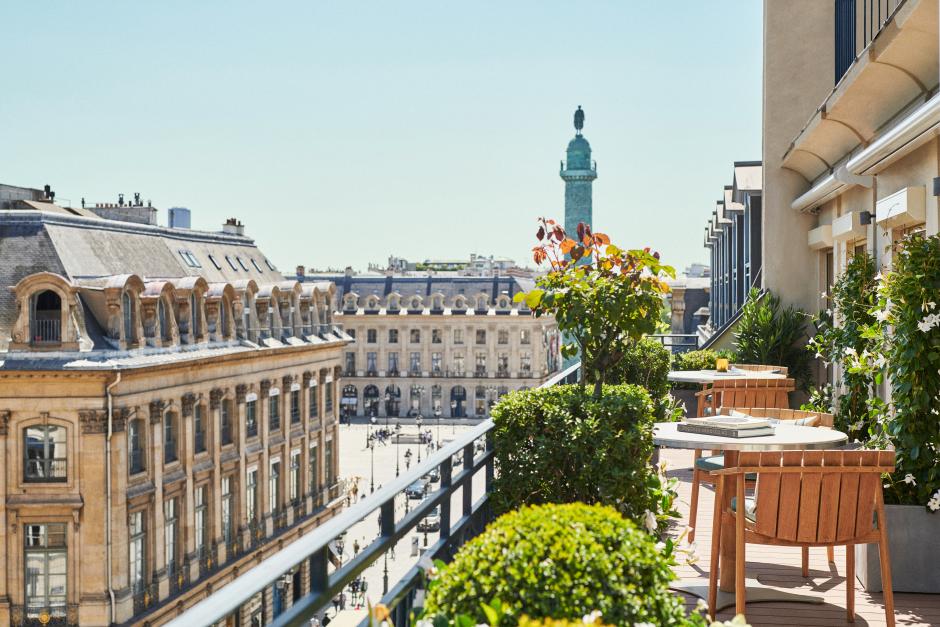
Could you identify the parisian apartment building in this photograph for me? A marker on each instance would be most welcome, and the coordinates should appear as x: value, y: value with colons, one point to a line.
x: 168, y: 413
x: 438, y: 345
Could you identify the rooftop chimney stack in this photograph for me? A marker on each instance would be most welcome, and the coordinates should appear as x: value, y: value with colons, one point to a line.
x: 233, y: 226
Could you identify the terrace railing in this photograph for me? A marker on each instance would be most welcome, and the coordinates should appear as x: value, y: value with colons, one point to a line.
x: 857, y: 23
x: 457, y: 527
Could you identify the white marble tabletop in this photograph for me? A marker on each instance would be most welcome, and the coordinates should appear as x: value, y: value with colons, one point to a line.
x: 710, y: 376
x: 785, y: 438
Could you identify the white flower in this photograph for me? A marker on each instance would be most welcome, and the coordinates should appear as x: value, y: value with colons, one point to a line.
x: 590, y: 619
x: 933, y: 504
x: 882, y: 315
x: 850, y: 351
x: 823, y: 295
x: 649, y: 521
x: 701, y: 605
x: 909, y: 479
x: 931, y: 305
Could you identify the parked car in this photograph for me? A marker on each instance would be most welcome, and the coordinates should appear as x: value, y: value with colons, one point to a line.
x: 417, y: 490
x: 431, y: 522
x: 434, y: 476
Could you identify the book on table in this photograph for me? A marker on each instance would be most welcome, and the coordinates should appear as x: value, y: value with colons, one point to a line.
x: 724, y: 432
x: 736, y: 425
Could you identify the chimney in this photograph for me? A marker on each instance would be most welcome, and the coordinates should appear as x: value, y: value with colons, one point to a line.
x: 179, y: 218
x: 233, y: 226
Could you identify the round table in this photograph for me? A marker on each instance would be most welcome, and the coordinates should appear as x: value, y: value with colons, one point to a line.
x: 710, y: 376
x: 785, y: 438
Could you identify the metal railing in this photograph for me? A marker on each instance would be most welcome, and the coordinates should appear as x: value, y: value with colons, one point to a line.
x: 314, y: 547
x: 857, y: 23
x: 678, y: 342
x: 46, y: 330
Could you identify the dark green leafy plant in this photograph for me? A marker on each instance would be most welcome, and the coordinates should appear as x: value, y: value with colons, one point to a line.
x: 560, y: 444
x: 646, y: 364
x: 603, y: 299
x: 772, y: 335
x: 841, y: 336
x: 695, y: 360
x: 562, y: 562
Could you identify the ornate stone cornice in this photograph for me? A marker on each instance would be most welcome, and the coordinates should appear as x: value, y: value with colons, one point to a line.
x: 156, y: 411
x: 215, y: 398
x: 119, y: 418
x: 307, y: 377
x: 240, y: 391
x: 93, y: 421
x: 287, y: 380
x: 187, y: 403
x: 265, y: 387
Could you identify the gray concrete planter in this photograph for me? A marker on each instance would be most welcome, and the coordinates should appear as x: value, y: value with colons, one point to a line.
x: 915, y: 552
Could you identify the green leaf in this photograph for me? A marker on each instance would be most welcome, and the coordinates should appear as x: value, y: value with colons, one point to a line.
x: 533, y: 298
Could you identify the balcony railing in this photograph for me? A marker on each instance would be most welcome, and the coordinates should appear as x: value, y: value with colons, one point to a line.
x: 456, y: 529
x: 858, y: 22
x: 678, y: 342
x: 46, y: 330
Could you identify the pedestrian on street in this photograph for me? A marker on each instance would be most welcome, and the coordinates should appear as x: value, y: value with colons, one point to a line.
x: 355, y: 547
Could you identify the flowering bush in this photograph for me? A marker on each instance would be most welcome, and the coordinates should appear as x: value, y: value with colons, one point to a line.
x: 842, y: 334
x: 905, y: 337
x: 603, y: 298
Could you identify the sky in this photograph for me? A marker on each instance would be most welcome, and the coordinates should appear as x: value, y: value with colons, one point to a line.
x: 341, y: 133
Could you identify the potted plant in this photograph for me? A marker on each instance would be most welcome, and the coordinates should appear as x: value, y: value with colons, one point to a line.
x: 899, y: 351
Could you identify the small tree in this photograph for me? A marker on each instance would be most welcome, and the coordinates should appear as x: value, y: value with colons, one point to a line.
x: 603, y: 298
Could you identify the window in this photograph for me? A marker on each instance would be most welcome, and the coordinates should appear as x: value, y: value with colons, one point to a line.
x: 436, y: 363
x: 436, y: 398
x: 251, y: 494
x: 255, y: 264
x: 328, y: 462
x: 251, y: 419
x: 314, y: 470
x: 502, y: 364
x: 202, y: 516
x: 170, y: 452
x: 274, y: 485
x: 165, y: 334
x: 458, y: 364
x: 436, y: 336
x: 328, y: 398
x: 128, y: 310
x: 231, y: 263
x: 525, y: 362
x: 215, y: 263
x: 350, y: 364
x: 227, y: 502
x: 46, y: 567
x: 274, y: 413
x: 189, y: 259
x: 199, y: 428
x: 135, y: 445
x: 46, y: 321
x: 225, y: 419
x: 525, y: 336
x: 371, y: 336
x: 294, y: 407
x: 481, y: 336
x: 393, y: 336
x: 197, y: 318
x: 481, y: 364
x: 269, y: 265
x: 370, y: 363
x: 415, y: 363
x: 295, y: 488
x: 137, y: 558
x: 241, y: 263
x: 313, y: 400
x: 45, y: 449
x: 171, y: 524
x: 415, y: 336
x: 502, y: 337
x: 458, y: 336
x: 393, y: 363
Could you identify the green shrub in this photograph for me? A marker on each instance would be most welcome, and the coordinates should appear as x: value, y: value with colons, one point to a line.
x: 646, y: 363
x: 560, y: 445
x: 695, y: 360
x: 563, y: 562
x: 769, y: 334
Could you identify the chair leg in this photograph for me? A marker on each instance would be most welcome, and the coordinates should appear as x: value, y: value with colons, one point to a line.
x: 806, y: 561
x: 716, y: 550
x: 885, y: 559
x: 693, y: 506
x: 850, y: 583
x: 740, y: 591
x: 831, y: 554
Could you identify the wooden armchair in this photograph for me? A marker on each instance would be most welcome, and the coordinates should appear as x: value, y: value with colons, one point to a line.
x: 806, y: 498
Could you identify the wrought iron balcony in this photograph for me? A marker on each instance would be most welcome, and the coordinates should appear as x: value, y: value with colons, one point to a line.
x: 314, y: 547
x: 858, y: 22
x: 46, y: 330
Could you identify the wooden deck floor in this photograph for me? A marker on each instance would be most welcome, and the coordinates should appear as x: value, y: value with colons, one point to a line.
x: 780, y: 567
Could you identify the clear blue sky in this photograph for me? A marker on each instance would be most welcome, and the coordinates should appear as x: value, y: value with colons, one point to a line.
x: 341, y: 133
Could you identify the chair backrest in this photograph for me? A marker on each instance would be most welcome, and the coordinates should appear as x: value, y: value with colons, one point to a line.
x: 762, y: 368
x: 810, y: 418
x: 751, y: 393
x: 817, y: 496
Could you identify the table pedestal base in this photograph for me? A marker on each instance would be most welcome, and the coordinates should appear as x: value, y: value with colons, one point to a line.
x: 756, y: 593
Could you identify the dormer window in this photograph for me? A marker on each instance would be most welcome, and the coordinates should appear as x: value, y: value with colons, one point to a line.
x: 349, y: 303
x: 269, y: 265
x: 231, y: 264
x: 194, y: 312
x: 164, y: 320
x: 215, y: 263
x: 46, y: 321
x: 241, y: 263
x: 189, y: 259
x: 255, y: 264
x: 127, y: 308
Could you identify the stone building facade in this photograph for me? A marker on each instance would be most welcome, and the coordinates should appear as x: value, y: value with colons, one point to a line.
x: 439, y: 346
x: 168, y: 414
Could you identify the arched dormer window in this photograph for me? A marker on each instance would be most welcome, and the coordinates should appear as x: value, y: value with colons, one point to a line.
x: 481, y: 304
x: 503, y: 303
x: 223, y: 319
x: 415, y: 304
x: 373, y: 303
x: 460, y: 303
x: 44, y: 453
x: 437, y: 302
x: 196, y: 313
x: 163, y: 319
x: 127, y: 311
x: 349, y: 302
x: 393, y: 303
x: 46, y: 319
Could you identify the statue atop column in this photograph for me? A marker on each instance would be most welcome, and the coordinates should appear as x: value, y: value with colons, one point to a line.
x: 578, y: 120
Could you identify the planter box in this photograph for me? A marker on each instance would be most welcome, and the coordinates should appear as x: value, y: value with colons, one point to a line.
x: 915, y: 552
